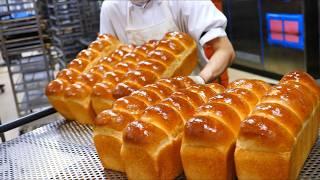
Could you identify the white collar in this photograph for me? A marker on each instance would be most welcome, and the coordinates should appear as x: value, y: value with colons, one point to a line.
x: 148, y: 4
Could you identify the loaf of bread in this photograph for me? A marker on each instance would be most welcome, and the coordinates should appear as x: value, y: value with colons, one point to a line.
x: 175, y: 55
x: 151, y: 145
x: 210, y: 135
x: 103, y: 46
x: 101, y: 98
x: 275, y: 140
x: 78, y: 95
x: 98, y: 80
x: 107, y: 133
x: 56, y: 88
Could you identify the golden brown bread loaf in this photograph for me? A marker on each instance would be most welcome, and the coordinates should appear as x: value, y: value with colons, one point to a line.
x: 56, y: 88
x: 175, y: 55
x: 97, y: 83
x: 151, y: 145
x: 78, y: 95
x: 103, y: 46
x: 107, y: 134
x: 101, y: 98
x: 275, y: 140
x: 210, y: 135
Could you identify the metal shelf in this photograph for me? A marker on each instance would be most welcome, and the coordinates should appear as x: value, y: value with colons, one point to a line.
x: 33, y: 68
x: 69, y: 21
x: 67, y: 37
x: 24, y: 49
x: 18, y: 51
x: 36, y: 102
x: 21, y: 30
x: 18, y: 22
x: 64, y: 3
x: 31, y: 87
x: 15, y: 11
x: 66, y: 27
x: 15, y: 3
x: 31, y: 80
x: 19, y: 40
x: 23, y: 43
x: 63, y: 29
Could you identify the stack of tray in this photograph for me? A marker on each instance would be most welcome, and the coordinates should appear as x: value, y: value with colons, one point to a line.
x: 66, y: 28
x: 90, y: 16
x: 25, y: 53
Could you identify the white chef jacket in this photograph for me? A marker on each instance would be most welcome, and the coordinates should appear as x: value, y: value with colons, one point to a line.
x: 199, y: 18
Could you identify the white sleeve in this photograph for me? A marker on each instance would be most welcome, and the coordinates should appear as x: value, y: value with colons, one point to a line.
x: 105, y: 21
x: 202, y: 17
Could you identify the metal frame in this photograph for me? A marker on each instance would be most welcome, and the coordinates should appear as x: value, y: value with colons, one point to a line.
x: 73, y: 25
x: 312, y: 37
x: 27, y: 119
x: 90, y: 15
x: 26, y: 56
x: 66, y: 28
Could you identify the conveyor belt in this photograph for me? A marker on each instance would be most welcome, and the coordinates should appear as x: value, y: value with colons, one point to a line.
x: 64, y: 150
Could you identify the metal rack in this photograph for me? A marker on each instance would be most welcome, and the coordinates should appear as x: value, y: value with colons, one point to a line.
x: 66, y: 28
x: 90, y: 16
x: 73, y: 25
x: 24, y: 50
x: 64, y: 150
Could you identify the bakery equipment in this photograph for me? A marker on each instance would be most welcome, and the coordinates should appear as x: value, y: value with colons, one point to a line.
x: 24, y: 49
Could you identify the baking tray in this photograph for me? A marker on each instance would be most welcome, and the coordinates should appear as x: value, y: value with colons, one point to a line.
x: 64, y: 150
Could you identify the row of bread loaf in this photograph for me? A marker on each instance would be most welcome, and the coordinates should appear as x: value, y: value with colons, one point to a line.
x: 85, y: 60
x: 248, y: 131
x: 168, y: 59
x: 277, y: 137
x: 148, y: 135
x: 73, y: 94
x: 107, y: 133
x: 78, y: 95
x: 125, y: 70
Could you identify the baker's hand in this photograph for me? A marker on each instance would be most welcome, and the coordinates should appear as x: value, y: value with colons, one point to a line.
x: 197, y: 79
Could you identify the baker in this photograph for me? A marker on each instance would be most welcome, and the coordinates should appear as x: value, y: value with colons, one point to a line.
x: 138, y: 21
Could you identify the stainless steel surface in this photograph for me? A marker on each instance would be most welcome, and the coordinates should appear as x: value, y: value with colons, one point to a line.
x: 64, y: 150
x: 250, y: 36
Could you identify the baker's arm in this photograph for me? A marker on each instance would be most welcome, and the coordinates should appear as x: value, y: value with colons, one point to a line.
x: 205, y: 23
x: 222, y: 57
